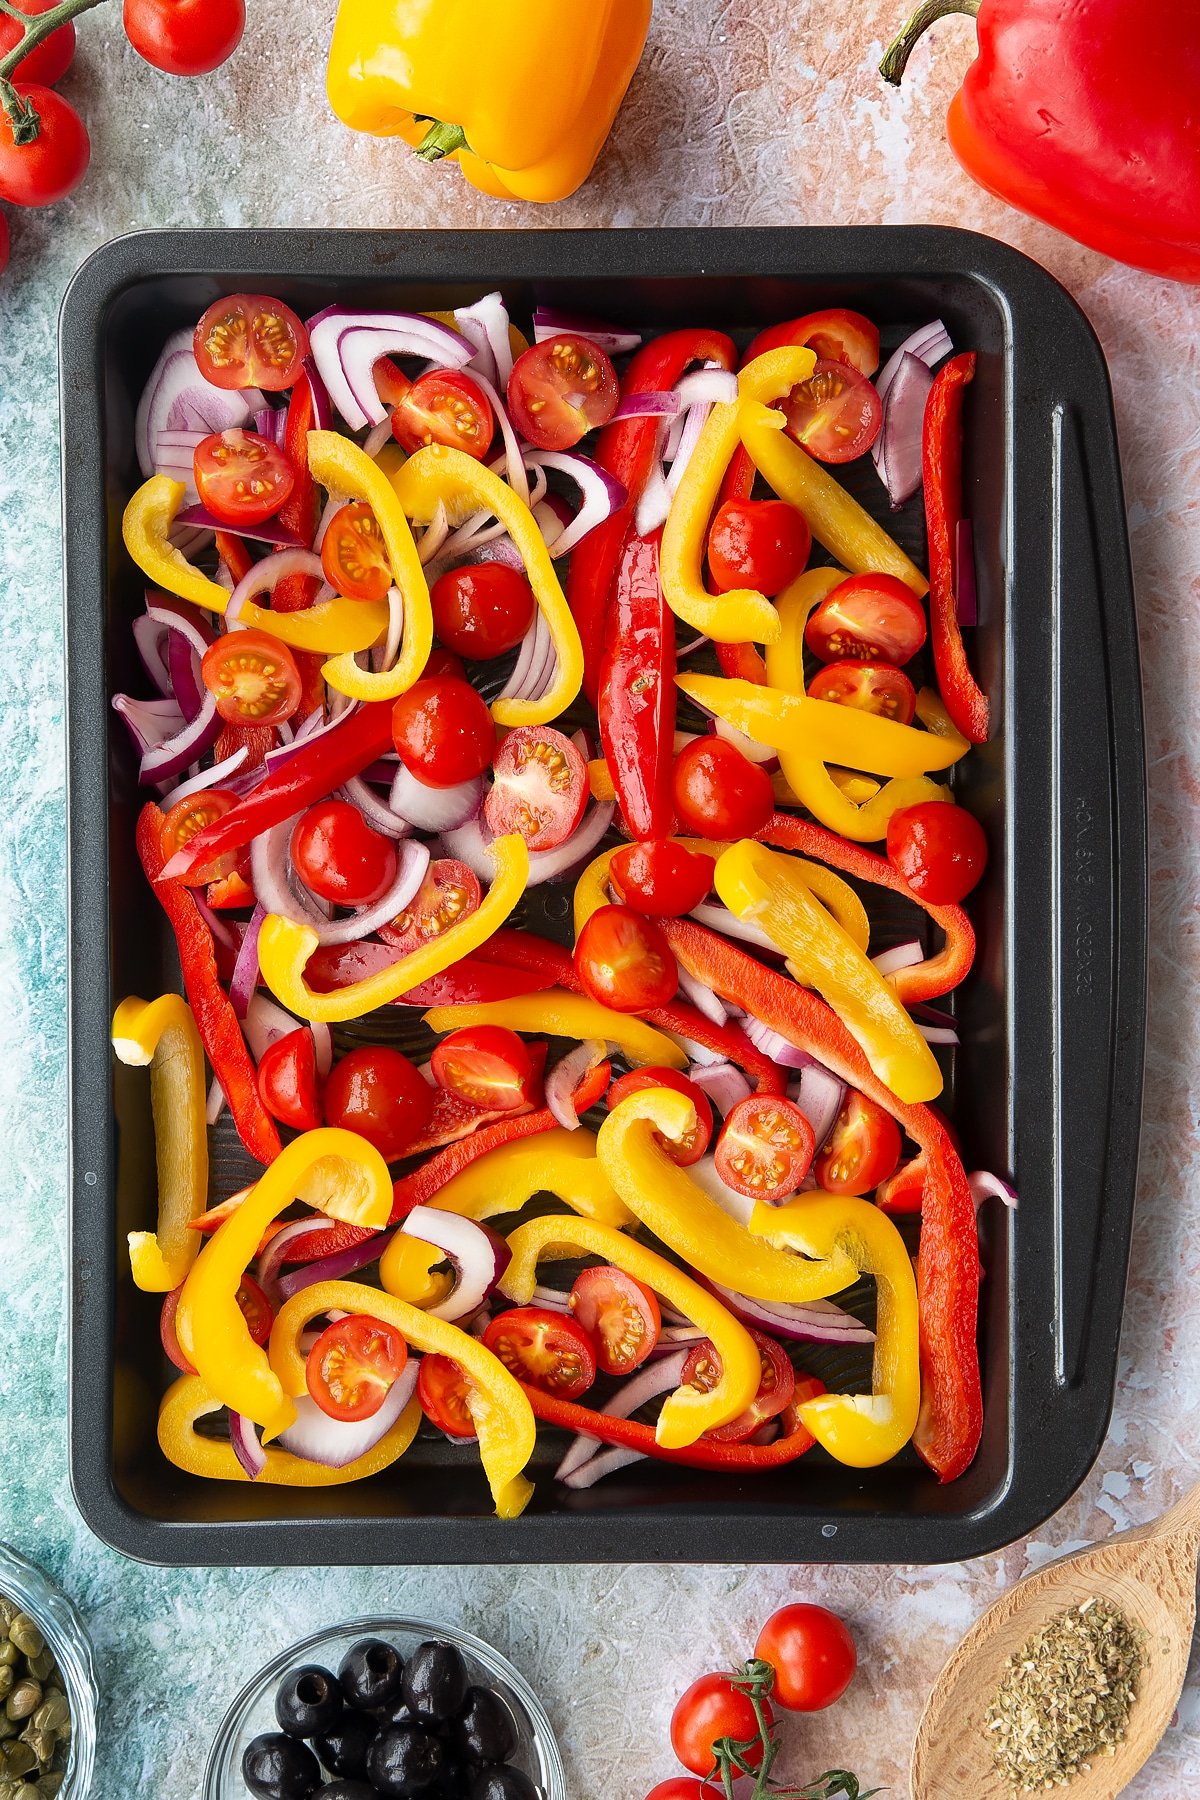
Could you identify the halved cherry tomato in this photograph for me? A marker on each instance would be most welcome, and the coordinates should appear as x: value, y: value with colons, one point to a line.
x: 718, y: 792
x: 835, y: 415
x: 862, y: 1149
x: 760, y: 544
x: 250, y: 340
x: 449, y: 892
x: 445, y: 1396
x: 341, y: 858
x: 241, y: 477
x: 560, y: 390
x: 776, y: 1386
x: 444, y: 407
x: 662, y: 877
x: 482, y: 610
x: 353, y: 555
x: 232, y: 891
x: 940, y: 850
x: 620, y: 1316
x: 698, y: 1139
x: 256, y: 1310
x: 380, y: 1094
x: 443, y: 731
x: 486, y: 1064
x: 869, y: 618
x: 870, y: 687
x: 287, y: 1080
x: 540, y: 787
x: 812, y: 1654
x: 710, y: 1711
x: 353, y: 1365
x: 837, y: 335
x: 546, y: 1349
x: 623, y: 960
x: 765, y: 1148
x: 253, y: 678
x: 185, y: 819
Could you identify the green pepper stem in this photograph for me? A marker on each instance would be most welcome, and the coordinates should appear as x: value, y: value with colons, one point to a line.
x: 441, y: 140
x: 895, y: 59
x: 22, y: 115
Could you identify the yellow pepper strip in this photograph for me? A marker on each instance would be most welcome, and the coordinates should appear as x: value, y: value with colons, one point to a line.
x: 556, y: 1013
x: 334, y: 625
x: 835, y: 520
x: 854, y: 786
x: 678, y: 1211
x: 409, y: 1275
x: 562, y: 1163
x: 187, y: 1400
x: 336, y: 1171
x: 162, y: 1033
x: 464, y: 485
x: 501, y: 1413
x: 284, y: 948
x: 742, y: 615
x: 861, y: 1430
x: 339, y: 465
x: 931, y: 711
x: 772, y: 890
x: 600, y: 780
x: 687, y: 1413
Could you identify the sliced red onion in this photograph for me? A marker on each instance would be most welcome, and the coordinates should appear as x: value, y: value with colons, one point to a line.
x: 985, y: 1186
x: 323, y: 1044
x: 415, y: 803
x: 654, y: 502
x: 377, y: 437
x: 178, y: 398
x: 469, y: 844
x: 566, y: 1076
x: 265, y: 1023
x: 165, y: 761
x: 346, y: 345
x: 270, y: 865
x: 965, y: 589
x: 750, y: 747
x: 553, y: 515
x: 929, y: 344
x: 938, y: 1034
x: 602, y: 494
x: 819, y: 1094
x: 535, y: 664
x: 151, y: 641
x: 709, y: 386
x: 605, y: 1462
x: 697, y: 1053
x: 412, y: 861
x: 329, y: 513
x: 276, y: 1253
x: 216, y: 1102
x: 434, y: 534
x: 897, y: 449
x: 244, y: 979
x: 269, y: 422
x: 335, y: 1442
x: 485, y: 327
x: 926, y: 346
x: 243, y: 1437
x: 150, y: 722
x: 900, y: 956
x: 648, y: 406
x: 651, y: 1380
x: 514, y: 461
x: 690, y: 649
x: 216, y: 924
x: 724, y: 1084
x: 213, y: 777
x: 262, y: 578
x: 322, y: 404
x: 269, y: 532
x: 704, y: 1174
x: 719, y: 918
x: 336, y: 1267
x: 375, y: 811
x: 773, y: 1045
x: 183, y: 666
x: 479, y: 1256
x: 548, y: 322
x: 553, y: 1299
x: 702, y: 997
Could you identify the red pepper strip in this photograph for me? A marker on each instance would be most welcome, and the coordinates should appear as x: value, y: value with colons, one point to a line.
x: 636, y: 708
x: 630, y: 1434
x: 948, y: 1431
x: 472, y: 981
x: 627, y: 450
x: 924, y: 980
x: 941, y: 457
x: 300, y: 513
x: 215, y: 1018
x: 322, y: 765
x: 742, y: 662
x: 234, y: 553
x: 256, y: 740
x: 903, y: 1192
x: 454, y: 1118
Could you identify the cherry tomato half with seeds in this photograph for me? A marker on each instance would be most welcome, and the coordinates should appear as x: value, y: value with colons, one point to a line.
x: 765, y: 1148
x: 251, y: 340
x: 623, y: 960
x: 341, y: 858
x: 241, y: 477
x: 51, y: 59
x: 540, y: 787
x: 710, y: 1711
x: 662, y: 877
x: 489, y: 1065
x: 444, y: 407
x: 836, y: 335
x: 380, y: 1094
x: 256, y: 1309
x: 444, y: 1393
x: 718, y: 792
x: 691, y: 1148
x: 449, y: 892
x: 253, y: 678
x: 190, y: 816
x: 835, y: 415
x: 760, y: 544
x: 862, y: 1150
x: 939, y: 848
x: 442, y: 731
x: 812, y: 1654
x: 620, y: 1316
x: 185, y: 37
x: 776, y: 1386
x: 869, y: 687
x: 869, y: 618
x: 560, y: 390
x: 483, y: 610
x: 354, y: 557
x: 546, y: 1349
x: 53, y: 164
x: 287, y: 1080
x: 353, y: 1366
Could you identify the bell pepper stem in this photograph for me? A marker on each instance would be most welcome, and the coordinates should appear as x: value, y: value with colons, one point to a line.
x: 896, y: 56
x: 441, y: 140
x: 23, y: 116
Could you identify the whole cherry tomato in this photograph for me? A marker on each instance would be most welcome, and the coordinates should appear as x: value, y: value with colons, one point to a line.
x: 719, y: 793
x: 760, y: 544
x: 482, y: 610
x: 662, y: 877
x: 185, y: 37
x: 378, y: 1093
x: 341, y: 858
x: 711, y: 1710
x: 624, y: 961
x: 442, y: 731
x: 812, y: 1654
x: 940, y: 850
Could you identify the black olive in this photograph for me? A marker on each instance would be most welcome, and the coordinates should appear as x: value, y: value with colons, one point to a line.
x: 395, y: 1713
x: 435, y: 1683
x: 371, y: 1674
x: 502, y: 1784
x: 346, y: 1790
x: 275, y: 1767
x: 404, y: 1761
x: 483, y: 1730
x: 343, y: 1748
x: 308, y: 1702
x: 456, y: 1782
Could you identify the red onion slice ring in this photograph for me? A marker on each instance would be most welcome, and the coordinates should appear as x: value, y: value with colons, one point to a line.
x: 262, y: 577
x: 566, y: 1076
x: 651, y: 1380
x: 335, y: 1442
x: 479, y: 1256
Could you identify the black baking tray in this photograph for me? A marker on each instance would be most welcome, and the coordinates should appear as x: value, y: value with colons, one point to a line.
x: 1046, y: 1085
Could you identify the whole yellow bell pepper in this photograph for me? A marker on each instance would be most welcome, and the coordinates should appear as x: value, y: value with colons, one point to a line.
x: 163, y: 1034
x: 463, y: 485
x: 187, y: 1400
x: 556, y: 1013
x: 500, y: 1412
x: 339, y: 1173
x: 284, y: 947
x: 562, y: 1163
x: 522, y: 96
x: 687, y: 1413
x: 861, y: 1430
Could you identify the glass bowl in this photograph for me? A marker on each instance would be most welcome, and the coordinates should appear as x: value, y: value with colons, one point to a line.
x: 62, y: 1628
x: 253, y: 1711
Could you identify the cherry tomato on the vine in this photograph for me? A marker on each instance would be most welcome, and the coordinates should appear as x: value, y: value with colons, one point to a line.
x: 719, y: 793
x: 560, y: 390
x: 51, y: 59
x: 250, y: 340
x: 694, y: 1145
x: 54, y: 163
x: 443, y: 732
x: 185, y: 37
x: 341, y: 858
x: 482, y: 610
x: 684, y: 1787
x: 940, y: 849
x: 380, y: 1094
x: 869, y: 687
x: 867, y: 618
x: 812, y: 1654
x: 624, y: 961
x: 760, y: 544
x: 254, y: 678
x: 711, y: 1710
x: 540, y: 787
x: 862, y: 1150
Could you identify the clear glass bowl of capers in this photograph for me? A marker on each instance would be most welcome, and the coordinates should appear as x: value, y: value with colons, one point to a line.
x: 48, y: 1693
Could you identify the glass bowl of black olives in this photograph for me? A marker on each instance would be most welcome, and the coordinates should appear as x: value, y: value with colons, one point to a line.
x: 386, y: 1709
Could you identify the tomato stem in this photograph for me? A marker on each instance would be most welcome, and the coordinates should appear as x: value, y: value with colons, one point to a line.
x: 22, y: 114
x: 895, y: 59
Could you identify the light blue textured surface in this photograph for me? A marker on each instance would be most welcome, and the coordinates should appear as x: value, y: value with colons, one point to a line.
x: 768, y: 113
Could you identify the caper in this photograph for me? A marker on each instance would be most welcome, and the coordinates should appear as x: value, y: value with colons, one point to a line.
x: 6, y: 1682
x: 25, y: 1792
x: 17, y: 1758
x: 8, y: 1727
x: 53, y: 1715
x: 42, y: 1666
x: 10, y: 1789
x: 25, y: 1635
x: 49, y: 1784
x: 9, y: 1654
x: 40, y: 1742
x: 24, y: 1700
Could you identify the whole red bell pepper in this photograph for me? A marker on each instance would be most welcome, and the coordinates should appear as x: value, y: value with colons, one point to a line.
x: 1084, y: 116
x: 636, y: 708
x: 705, y: 1453
x: 941, y: 457
x: 300, y: 513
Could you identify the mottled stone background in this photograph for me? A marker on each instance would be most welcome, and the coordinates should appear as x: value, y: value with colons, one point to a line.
x: 747, y: 112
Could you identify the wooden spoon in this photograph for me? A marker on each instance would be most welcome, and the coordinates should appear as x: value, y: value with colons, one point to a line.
x: 1149, y: 1574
